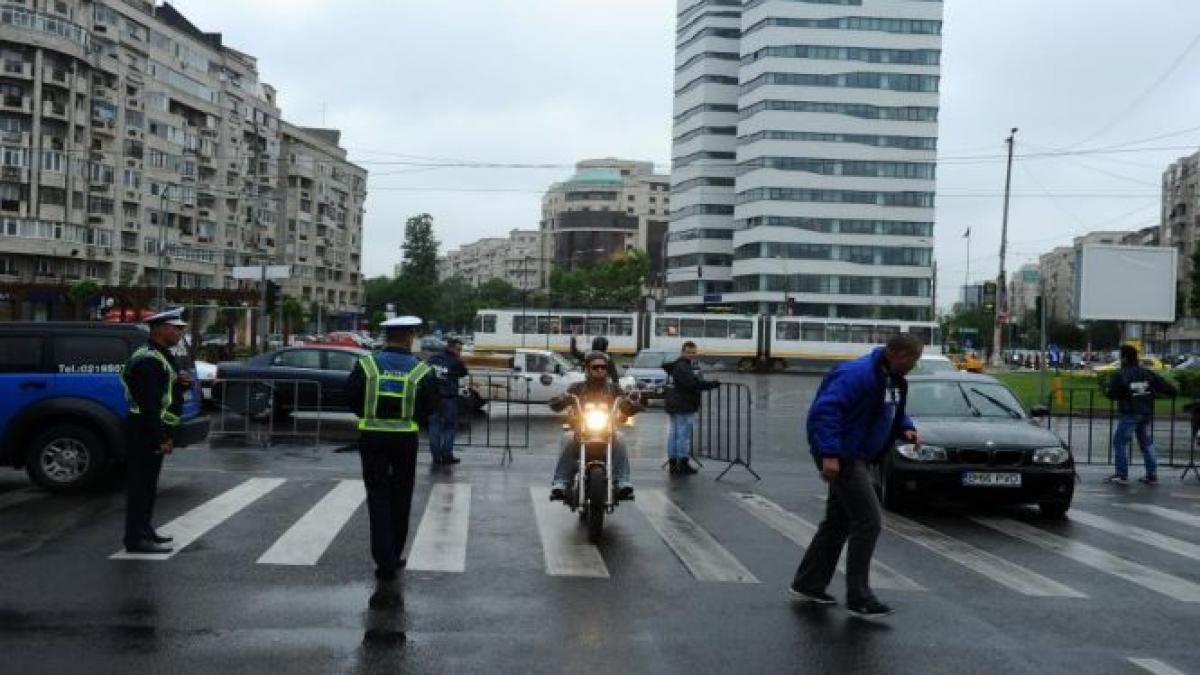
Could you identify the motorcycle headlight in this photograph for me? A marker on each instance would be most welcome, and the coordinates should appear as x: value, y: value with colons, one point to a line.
x: 595, y: 420
x: 925, y: 453
x: 1050, y: 456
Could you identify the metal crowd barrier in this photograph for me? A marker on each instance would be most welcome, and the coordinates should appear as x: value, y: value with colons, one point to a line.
x: 1086, y: 420
x: 724, y: 427
x: 496, y: 415
x: 261, y: 410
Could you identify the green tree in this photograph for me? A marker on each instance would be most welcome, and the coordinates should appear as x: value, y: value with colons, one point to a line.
x: 615, y: 284
x: 293, y: 316
x: 79, y: 295
x: 1193, y: 294
x: 420, y: 248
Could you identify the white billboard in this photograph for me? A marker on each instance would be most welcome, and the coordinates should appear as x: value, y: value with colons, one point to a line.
x: 1127, y: 283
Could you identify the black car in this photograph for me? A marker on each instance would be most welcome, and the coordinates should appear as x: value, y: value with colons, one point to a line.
x: 979, y: 444
x: 308, y: 377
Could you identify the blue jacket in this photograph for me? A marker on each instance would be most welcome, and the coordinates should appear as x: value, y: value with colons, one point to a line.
x: 448, y: 369
x: 858, y: 410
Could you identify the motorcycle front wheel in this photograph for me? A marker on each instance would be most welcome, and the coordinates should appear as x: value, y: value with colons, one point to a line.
x: 597, y: 495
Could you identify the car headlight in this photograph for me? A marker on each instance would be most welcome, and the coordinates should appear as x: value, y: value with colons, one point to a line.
x: 595, y: 420
x: 925, y: 453
x: 1050, y: 455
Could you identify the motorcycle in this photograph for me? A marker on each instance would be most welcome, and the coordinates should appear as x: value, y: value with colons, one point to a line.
x: 590, y: 492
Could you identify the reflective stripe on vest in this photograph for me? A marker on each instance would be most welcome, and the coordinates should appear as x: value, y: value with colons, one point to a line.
x: 145, y: 351
x: 382, y: 385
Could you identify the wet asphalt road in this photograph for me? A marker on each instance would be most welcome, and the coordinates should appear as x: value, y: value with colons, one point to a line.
x: 1085, y: 595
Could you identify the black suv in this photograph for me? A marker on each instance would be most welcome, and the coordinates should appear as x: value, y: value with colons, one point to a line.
x: 62, y: 403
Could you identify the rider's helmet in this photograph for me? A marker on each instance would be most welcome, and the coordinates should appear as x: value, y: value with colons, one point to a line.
x: 600, y: 344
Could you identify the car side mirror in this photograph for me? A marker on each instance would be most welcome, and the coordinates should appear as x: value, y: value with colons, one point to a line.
x: 558, y: 370
x: 1039, y: 411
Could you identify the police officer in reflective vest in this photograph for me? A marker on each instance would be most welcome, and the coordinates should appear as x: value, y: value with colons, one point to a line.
x: 155, y: 387
x: 392, y: 393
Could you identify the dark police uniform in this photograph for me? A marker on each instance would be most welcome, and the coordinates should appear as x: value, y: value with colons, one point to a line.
x: 155, y: 395
x: 392, y: 394
x: 448, y: 370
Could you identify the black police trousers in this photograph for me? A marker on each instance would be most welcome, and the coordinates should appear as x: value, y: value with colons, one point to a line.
x: 143, y: 465
x: 389, y: 465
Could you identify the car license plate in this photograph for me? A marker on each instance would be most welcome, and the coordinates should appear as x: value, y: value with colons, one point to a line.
x: 991, y: 479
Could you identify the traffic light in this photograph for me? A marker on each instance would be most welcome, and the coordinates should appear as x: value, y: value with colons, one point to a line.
x: 272, y: 295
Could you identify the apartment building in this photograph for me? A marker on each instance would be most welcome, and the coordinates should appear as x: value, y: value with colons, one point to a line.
x: 1023, y: 289
x: 605, y: 208
x: 132, y: 141
x: 515, y: 259
x: 1056, y: 270
x: 804, y: 156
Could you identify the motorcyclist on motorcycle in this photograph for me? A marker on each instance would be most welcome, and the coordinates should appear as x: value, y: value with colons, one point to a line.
x: 595, y: 389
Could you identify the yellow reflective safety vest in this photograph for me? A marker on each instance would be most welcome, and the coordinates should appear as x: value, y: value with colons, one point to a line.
x: 391, y: 392
x: 168, y: 397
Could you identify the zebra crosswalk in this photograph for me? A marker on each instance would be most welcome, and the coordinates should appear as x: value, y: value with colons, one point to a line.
x: 1151, y: 546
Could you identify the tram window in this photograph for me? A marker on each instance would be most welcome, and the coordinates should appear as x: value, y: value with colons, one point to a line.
x: 620, y: 326
x: 812, y: 332
x: 489, y: 323
x: 596, y: 326
x: 787, y: 330
x: 716, y: 328
x: 524, y: 325
x: 741, y: 330
x: 666, y: 327
x: 860, y: 335
x: 837, y: 332
x: 923, y: 333
x: 572, y: 325
x: 885, y: 333
x: 548, y: 325
x: 691, y: 328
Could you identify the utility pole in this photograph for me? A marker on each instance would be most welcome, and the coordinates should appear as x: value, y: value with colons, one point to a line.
x: 162, y: 247
x: 263, y: 319
x: 1001, y: 286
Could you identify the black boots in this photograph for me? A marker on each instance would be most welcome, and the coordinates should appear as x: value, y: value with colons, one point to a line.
x: 680, y: 467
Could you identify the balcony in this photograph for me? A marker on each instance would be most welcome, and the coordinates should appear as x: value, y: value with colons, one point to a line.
x: 104, y: 127
x: 9, y: 103
x: 54, y: 109
x: 20, y: 138
x: 57, y: 77
x: 20, y: 70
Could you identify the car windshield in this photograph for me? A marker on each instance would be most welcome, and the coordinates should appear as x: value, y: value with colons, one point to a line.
x: 651, y: 359
x: 563, y: 364
x: 962, y: 399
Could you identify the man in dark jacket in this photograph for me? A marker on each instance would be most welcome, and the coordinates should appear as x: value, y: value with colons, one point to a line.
x: 1134, y: 388
x: 857, y: 413
x: 155, y: 387
x: 595, y: 389
x: 448, y: 368
x: 682, y: 401
x: 391, y: 392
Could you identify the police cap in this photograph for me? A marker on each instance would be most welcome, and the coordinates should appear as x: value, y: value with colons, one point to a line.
x: 171, y: 317
x: 402, y: 323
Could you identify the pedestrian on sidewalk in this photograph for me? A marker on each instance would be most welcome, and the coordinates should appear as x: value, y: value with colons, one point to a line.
x: 392, y: 396
x: 449, y: 369
x: 857, y: 414
x: 1134, y: 389
x: 682, y: 400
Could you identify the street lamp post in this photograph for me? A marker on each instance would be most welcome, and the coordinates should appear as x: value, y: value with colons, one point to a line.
x: 162, y: 248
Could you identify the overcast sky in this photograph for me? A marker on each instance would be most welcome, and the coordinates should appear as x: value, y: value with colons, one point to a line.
x: 554, y: 81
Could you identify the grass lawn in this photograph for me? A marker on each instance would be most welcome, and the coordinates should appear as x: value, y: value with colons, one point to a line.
x: 1084, y: 385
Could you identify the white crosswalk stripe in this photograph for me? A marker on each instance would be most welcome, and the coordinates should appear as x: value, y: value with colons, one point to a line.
x: 704, y: 557
x: 441, y: 541
x: 801, y: 531
x: 1156, y: 666
x: 195, y: 523
x: 307, y: 540
x: 564, y: 542
x: 993, y: 567
x: 1169, y: 514
x: 1160, y: 582
x: 1138, y: 534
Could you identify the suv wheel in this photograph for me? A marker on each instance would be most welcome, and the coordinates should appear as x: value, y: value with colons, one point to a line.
x: 65, y: 458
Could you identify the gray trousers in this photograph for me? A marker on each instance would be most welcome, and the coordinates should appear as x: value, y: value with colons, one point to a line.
x: 852, y: 518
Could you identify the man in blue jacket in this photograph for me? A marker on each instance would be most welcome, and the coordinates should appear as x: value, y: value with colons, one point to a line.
x: 857, y: 414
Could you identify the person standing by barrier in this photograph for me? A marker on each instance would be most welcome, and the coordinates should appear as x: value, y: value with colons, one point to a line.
x: 599, y: 344
x: 390, y: 392
x: 449, y: 369
x: 857, y: 413
x: 154, y: 386
x: 682, y: 400
x: 1134, y: 388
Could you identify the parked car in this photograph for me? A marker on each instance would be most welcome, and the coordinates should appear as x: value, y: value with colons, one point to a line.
x: 206, y: 373
x: 979, y: 444
x: 934, y: 363
x: 968, y: 362
x: 62, y: 402
x: 648, y: 374
x: 305, y: 377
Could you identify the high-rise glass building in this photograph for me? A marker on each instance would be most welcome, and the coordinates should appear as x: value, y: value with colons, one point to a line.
x: 805, y: 144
